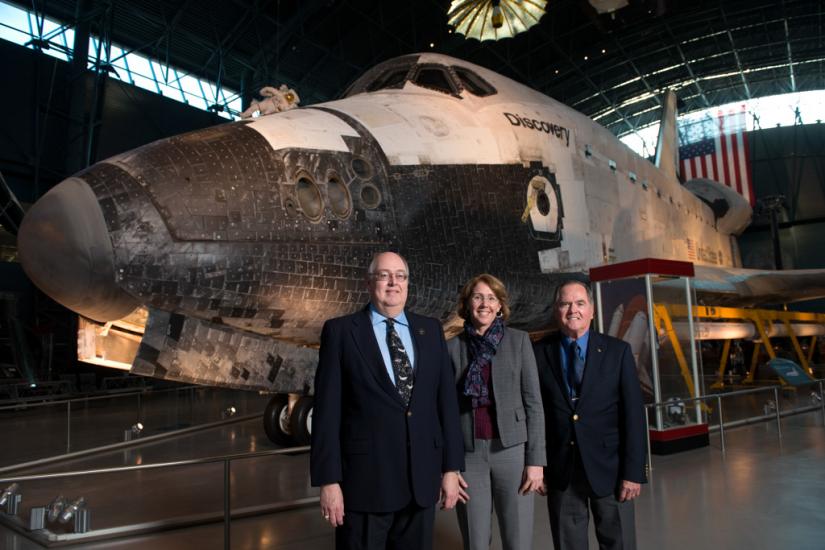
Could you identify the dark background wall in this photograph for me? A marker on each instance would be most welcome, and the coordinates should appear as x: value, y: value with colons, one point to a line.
x: 789, y: 161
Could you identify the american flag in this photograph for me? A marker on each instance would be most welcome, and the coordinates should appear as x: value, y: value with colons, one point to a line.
x: 724, y: 158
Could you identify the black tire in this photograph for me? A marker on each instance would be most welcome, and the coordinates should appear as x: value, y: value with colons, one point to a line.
x: 276, y: 422
x: 300, y: 423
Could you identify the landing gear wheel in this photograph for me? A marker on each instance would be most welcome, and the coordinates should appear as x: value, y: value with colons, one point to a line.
x: 300, y: 422
x: 276, y: 421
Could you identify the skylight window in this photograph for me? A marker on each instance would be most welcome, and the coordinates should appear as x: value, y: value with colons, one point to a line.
x: 763, y: 112
x: 51, y: 38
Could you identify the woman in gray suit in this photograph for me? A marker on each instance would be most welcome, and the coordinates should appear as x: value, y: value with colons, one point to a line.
x: 501, y: 418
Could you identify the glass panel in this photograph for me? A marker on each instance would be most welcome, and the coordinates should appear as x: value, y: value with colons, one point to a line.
x: 624, y: 309
x: 393, y: 78
x: 141, y: 72
x: 474, y: 83
x: 14, y: 24
x: 12, y: 34
x: 677, y: 375
x: 434, y: 79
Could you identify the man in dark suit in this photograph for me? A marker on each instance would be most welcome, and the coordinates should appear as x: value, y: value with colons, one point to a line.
x: 594, y: 420
x: 386, y: 440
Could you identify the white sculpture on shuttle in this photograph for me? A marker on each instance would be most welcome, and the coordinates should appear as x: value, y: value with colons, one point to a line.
x: 276, y: 100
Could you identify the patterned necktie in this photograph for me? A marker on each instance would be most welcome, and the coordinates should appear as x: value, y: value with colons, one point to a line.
x: 400, y: 363
x: 575, y: 370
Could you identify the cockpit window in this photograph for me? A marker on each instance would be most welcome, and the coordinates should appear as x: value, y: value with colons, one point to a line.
x: 434, y: 77
x: 392, y: 78
x: 452, y: 80
x: 473, y: 83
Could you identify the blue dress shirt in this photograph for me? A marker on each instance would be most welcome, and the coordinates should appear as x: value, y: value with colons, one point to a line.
x: 402, y: 327
x: 567, y: 346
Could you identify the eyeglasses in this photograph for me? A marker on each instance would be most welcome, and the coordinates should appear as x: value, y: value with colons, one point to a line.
x: 479, y: 298
x: 384, y: 276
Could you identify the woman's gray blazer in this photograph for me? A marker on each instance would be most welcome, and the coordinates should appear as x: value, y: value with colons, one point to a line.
x: 516, y: 393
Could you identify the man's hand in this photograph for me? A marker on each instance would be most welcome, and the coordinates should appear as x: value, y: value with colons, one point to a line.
x: 629, y: 490
x: 532, y: 480
x: 449, y: 490
x: 332, y: 504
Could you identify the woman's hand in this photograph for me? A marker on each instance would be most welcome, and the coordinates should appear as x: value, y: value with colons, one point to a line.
x: 532, y: 480
x: 463, y: 496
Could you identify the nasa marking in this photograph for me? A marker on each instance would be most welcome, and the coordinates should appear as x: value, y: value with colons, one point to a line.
x: 540, y: 126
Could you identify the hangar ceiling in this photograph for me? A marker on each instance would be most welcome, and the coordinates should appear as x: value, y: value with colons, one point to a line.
x: 611, y: 67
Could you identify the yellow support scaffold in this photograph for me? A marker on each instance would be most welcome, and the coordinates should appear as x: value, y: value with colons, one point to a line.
x: 762, y: 320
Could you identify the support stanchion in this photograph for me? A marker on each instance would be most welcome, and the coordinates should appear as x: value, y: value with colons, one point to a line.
x: 68, y: 427
x: 647, y: 438
x: 721, y: 423
x: 822, y: 402
x: 226, y: 507
x: 778, y: 412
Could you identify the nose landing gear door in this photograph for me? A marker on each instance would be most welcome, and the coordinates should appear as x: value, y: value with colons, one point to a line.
x: 543, y: 212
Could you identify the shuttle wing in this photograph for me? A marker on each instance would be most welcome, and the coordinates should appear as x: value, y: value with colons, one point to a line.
x: 729, y: 285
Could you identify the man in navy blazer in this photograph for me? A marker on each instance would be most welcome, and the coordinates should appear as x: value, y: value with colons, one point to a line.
x: 382, y: 457
x: 595, y: 427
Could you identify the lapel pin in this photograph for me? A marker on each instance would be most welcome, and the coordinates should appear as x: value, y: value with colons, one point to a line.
x: 420, y: 332
x: 599, y: 350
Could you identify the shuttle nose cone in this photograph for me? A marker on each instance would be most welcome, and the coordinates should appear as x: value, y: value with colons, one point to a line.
x: 65, y: 249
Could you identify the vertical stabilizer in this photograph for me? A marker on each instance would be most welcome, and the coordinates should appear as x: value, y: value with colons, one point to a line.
x: 667, y: 147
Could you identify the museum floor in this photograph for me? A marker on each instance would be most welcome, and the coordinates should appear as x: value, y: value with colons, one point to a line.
x: 762, y: 495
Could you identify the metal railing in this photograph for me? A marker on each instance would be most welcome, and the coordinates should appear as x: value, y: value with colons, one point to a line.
x: 227, y: 484
x: 184, y: 408
x: 719, y: 397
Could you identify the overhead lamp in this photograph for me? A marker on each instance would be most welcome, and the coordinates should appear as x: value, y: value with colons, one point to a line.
x: 494, y: 19
x: 229, y: 412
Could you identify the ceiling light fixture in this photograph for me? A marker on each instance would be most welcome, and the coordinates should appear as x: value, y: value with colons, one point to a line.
x: 494, y: 19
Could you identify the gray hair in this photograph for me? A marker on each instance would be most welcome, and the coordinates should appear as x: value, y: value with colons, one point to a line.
x: 567, y: 282
x: 371, y: 268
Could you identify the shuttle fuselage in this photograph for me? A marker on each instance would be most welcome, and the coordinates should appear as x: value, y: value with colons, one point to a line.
x: 267, y: 225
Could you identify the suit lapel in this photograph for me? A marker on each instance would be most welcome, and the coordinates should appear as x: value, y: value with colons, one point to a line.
x: 551, y: 352
x: 364, y: 337
x: 593, y: 365
x: 418, y: 334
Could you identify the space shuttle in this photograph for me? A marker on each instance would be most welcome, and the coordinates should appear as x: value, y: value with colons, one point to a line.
x: 218, y: 254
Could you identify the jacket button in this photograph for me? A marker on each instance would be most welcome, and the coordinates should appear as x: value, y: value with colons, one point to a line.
x: 572, y: 443
x: 409, y: 413
x: 575, y: 417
